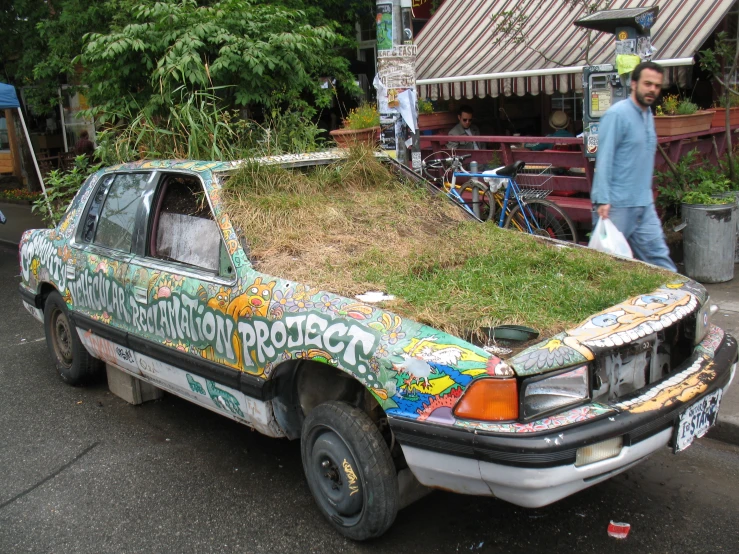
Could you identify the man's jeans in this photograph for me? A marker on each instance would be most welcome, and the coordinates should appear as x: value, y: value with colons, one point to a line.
x: 642, y: 228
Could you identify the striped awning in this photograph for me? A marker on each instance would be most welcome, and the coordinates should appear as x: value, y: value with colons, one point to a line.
x: 458, y: 56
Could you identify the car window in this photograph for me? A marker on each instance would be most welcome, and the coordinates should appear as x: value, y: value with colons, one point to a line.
x: 93, y: 213
x: 118, y: 215
x: 183, y: 227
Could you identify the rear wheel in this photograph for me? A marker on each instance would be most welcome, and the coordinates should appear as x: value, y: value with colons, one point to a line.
x: 549, y: 220
x: 349, y: 470
x: 73, y: 362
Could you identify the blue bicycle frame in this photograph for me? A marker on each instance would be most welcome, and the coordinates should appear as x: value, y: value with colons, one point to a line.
x: 512, y: 186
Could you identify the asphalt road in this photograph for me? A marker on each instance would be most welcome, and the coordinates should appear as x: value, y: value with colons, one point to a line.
x: 82, y: 471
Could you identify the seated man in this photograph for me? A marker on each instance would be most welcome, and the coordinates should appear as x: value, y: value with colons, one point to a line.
x: 464, y: 127
x: 558, y: 121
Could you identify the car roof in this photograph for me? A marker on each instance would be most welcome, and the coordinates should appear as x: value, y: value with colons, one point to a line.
x: 210, y: 166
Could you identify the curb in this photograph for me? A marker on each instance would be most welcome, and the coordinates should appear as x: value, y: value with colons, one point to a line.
x: 725, y: 431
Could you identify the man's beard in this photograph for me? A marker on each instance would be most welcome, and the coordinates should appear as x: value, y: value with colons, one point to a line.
x: 642, y: 99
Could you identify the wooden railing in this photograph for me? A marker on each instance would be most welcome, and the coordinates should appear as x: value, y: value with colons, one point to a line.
x: 571, y: 183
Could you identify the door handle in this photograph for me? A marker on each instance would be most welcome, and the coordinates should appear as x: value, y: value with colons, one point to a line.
x: 141, y: 295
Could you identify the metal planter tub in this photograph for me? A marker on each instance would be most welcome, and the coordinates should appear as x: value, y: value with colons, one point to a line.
x: 709, y: 241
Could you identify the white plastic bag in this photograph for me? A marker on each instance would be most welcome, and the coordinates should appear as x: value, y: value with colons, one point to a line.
x: 607, y: 238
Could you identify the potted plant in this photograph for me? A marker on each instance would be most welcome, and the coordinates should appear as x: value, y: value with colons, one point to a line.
x: 431, y: 118
x: 676, y: 116
x: 361, y: 126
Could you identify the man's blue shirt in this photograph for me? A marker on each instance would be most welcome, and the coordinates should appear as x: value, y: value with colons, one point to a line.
x: 627, y: 142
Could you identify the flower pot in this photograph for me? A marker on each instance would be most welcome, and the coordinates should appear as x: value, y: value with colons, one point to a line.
x: 437, y: 121
x: 672, y: 125
x: 346, y: 138
x: 719, y: 117
x: 709, y: 241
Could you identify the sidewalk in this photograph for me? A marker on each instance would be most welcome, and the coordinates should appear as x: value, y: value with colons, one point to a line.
x: 726, y: 296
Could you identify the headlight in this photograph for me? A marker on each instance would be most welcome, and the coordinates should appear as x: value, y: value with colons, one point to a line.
x: 703, y: 318
x: 542, y: 395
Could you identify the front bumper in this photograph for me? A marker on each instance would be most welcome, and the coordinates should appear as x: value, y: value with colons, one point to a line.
x: 536, y: 469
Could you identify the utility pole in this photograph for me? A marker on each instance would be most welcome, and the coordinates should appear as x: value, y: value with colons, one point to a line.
x: 396, y: 80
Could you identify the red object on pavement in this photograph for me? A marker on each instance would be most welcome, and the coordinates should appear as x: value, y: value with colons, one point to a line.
x: 618, y: 530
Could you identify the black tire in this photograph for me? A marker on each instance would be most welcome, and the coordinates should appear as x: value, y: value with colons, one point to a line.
x: 551, y: 220
x: 477, y: 197
x: 349, y: 470
x: 73, y: 362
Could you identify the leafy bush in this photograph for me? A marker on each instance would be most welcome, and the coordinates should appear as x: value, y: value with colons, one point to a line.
x: 700, y: 197
x: 61, y: 186
x: 425, y: 107
x: 673, y: 105
x: 362, y: 117
x: 695, y: 178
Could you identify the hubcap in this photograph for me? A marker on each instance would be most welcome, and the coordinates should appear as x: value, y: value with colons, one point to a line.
x: 336, y: 474
x: 62, y: 338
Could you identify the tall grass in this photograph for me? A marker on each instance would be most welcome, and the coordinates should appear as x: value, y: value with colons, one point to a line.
x: 197, y: 125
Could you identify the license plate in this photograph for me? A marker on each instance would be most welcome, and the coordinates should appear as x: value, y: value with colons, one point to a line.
x: 697, y: 420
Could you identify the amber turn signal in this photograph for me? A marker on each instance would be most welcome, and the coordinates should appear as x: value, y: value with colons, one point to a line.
x: 489, y: 400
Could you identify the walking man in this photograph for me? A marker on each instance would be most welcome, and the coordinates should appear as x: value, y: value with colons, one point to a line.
x: 622, y: 187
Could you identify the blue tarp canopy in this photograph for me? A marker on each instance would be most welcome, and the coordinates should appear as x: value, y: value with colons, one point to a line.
x: 8, y: 98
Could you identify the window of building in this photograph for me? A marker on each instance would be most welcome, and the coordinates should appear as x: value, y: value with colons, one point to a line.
x: 570, y: 103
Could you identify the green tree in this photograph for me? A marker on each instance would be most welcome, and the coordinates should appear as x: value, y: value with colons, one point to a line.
x: 266, y: 54
x: 723, y: 62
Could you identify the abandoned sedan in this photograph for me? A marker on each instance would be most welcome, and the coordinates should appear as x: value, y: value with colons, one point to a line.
x: 334, y: 299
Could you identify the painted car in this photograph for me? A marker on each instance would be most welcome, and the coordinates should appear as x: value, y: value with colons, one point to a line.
x: 141, y: 274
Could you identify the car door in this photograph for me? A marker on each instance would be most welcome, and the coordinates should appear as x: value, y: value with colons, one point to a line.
x: 104, y: 244
x: 182, y: 278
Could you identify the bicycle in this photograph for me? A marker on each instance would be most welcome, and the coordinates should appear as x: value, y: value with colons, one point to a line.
x: 523, y: 209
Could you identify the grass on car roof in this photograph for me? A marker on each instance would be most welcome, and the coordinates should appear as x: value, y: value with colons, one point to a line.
x: 355, y: 226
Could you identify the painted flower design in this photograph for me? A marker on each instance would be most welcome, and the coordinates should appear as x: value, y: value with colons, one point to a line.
x: 328, y: 305
x: 284, y: 299
x: 393, y: 336
x: 301, y: 305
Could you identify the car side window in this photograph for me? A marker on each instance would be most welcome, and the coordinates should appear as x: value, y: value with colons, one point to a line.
x: 93, y: 213
x: 118, y: 215
x: 183, y: 228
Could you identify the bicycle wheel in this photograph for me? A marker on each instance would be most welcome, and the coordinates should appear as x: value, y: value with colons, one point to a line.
x: 477, y: 198
x: 546, y: 218
x: 434, y: 167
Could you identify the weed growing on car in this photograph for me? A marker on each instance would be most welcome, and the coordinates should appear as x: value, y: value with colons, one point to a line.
x: 355, y: 226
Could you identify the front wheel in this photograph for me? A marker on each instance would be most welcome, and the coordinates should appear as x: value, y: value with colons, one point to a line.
x: 349, y: 470
x: 477, y: 198
x: 546, y: 219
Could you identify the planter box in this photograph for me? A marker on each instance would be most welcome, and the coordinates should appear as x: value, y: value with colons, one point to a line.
x: 346, y: 138
x: 439, y: 121
x: 719, y: 117
x: 672, y: 125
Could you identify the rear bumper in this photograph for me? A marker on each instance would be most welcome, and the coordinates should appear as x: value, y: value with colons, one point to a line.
x: 536, y: 469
